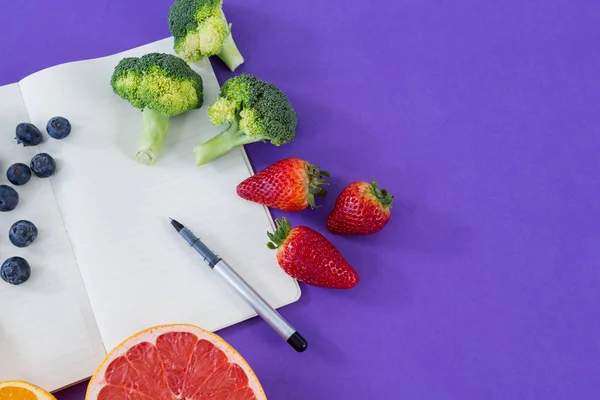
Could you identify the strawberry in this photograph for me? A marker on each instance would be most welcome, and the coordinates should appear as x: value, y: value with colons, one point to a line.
x: 360, y: 209
x: 306, y: 255
x: 290, y: 184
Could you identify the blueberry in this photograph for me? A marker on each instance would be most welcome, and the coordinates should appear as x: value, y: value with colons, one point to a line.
x: 58, y: 127
x: 43, y: 165
x: 23, y: 233
x: 18, y: 174
x: 28, y: 134
x: 9, y: 198
x: 15, y: 270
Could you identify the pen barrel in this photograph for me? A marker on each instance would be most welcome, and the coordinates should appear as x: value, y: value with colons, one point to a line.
x: 207, y: 254
x: 254, y: 300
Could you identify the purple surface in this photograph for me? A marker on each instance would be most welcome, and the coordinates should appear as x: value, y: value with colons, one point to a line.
x: 482, y: 118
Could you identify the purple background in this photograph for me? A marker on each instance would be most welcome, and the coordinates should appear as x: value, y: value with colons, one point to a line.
x: 483, y: 120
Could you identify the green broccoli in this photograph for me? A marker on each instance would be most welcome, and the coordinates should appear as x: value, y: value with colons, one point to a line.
x: 200, y: 30
x: 256, y: 110
x: 162, y: 86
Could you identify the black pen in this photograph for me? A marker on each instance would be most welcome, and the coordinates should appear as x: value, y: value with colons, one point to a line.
x: 262, y: 308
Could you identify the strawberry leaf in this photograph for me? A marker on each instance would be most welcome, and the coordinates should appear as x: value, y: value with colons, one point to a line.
x: 282, y: 231
x: 384, y: 197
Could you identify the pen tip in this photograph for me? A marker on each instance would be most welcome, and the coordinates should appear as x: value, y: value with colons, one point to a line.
x: 178, y: 227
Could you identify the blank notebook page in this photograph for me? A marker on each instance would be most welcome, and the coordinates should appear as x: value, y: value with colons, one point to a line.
x: 48, y: 335
x: 138, y: 272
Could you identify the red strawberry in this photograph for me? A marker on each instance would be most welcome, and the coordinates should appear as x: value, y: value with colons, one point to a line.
x: 362, y: 208
x: 290, y: 184
x: 306, y: 255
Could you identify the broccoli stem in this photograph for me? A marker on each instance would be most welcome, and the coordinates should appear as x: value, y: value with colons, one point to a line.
x: 155, y: 129
x: 230, y: 54
x: 223, y: 143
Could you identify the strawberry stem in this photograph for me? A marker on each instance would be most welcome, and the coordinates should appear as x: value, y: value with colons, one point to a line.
x: 282, y: 231
x: 382, y: 195
x: 317, y: 180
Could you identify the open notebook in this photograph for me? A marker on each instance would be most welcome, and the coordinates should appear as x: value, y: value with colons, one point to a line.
x: 107, y: 263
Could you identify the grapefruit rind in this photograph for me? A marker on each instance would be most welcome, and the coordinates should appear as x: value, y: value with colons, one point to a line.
x: 38, y: 391
x: 98, y: 381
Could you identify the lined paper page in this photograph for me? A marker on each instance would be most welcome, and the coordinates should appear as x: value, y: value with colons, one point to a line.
x: 137, y: 270
x: 47, y: 331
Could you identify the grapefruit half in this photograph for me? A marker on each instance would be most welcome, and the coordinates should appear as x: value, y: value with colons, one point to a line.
x: 21, y: 390
x: 174, y: 362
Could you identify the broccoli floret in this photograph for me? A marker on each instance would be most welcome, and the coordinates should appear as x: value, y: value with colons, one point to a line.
x: 200, y: 30
x: 162, y: 86
x: 256, y: 110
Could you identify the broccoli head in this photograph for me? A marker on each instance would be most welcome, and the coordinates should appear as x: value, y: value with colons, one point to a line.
x: 162, y: 86
x: 257, y: 111
x: 201, y: 30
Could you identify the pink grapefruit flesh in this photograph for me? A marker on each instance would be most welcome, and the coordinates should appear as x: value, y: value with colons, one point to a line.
x: 174, y: 362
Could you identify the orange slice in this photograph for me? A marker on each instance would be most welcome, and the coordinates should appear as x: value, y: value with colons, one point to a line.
x: 174, y: 362
x: 20, y: 390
